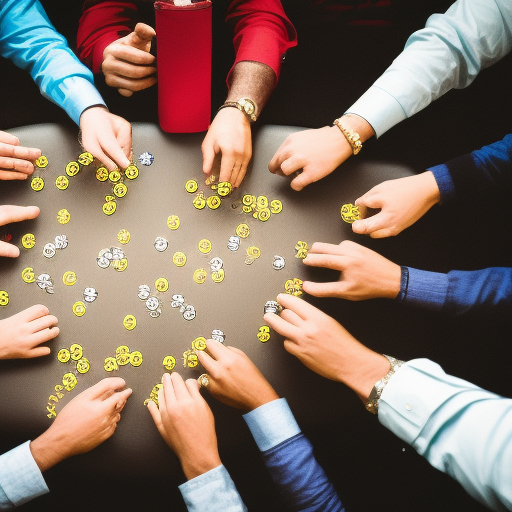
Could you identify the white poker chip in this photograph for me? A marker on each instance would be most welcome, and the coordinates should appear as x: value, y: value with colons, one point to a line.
x: 144, y: 292
x: 216, y: 264
x: 61, y: 241
x: 234, y: 243
x: 90, y: 294
x: 278, y: 263
x: 146, y: 158
x: 102, y: 262
x: 49, y: 250
x: 160, y: 244
x: 152, y: 303
x: 218, y: 335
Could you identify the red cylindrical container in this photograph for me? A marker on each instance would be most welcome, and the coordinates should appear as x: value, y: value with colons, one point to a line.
x: 184, y: 63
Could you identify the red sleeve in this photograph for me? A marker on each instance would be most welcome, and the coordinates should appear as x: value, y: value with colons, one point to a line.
x: 262, y: 32
x: 101, y: 24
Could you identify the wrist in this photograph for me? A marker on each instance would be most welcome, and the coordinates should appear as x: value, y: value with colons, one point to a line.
x: 359, y: 125
x: 261, y: 399
x: 46, y: 452
x: 431, y: 188
x: 198, y: 465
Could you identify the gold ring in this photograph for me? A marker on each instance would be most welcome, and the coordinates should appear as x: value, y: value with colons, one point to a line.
x: 203, y: 381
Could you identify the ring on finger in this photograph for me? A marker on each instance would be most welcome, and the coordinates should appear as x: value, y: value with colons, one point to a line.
x: 203, y: 381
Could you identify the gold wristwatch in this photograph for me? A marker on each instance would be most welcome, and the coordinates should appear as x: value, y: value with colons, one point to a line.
x: 372, y: 403
x: 245, y: 105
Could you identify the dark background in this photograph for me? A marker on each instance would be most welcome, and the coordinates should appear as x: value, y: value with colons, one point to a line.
x: 333, y: 65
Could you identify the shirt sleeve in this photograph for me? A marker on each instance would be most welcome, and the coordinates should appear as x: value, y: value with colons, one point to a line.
x: 448, y: 53
x: 29, y: 39
x: 461, y: 429
x: 103, y: 23
x: 288, y: 455
x: 262, y: 32
x: 20, y: 477
x: 213, y: 491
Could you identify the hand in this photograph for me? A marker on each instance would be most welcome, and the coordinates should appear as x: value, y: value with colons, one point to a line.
x: 21, y: 334
x: 325, y: 347
x: 402, y: 203
x: 186, y: 424
x: 364, y: 274
x: 84, y: 423
x: 106, y: 136
x: 15, y: 160
x: 127, y: 63
x: 229, y: 134
x: 8, y: 214
x: 234, y: 379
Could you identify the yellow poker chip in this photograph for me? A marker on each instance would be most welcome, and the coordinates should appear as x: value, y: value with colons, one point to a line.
x: 122, y: 349
x: 131, y: 172
x: 190, y: 359
x: 85, y: 158
x: 262, y: 202
x: 69, y: 278
x: 110, y: 364
x: 110, y: 199
x: 191, y: 186
x: 76, y: 351
x: 211, y: 180
x: 129, y: 322
x: 4, y: 298
x: 200, y: 275
x: 224, y: 188
x: 247, y: 209
x: 247, y: 200
x: 161, y: 284
x: 213, y: 202
x: 27, y: 274
x: 120, y: 189
x: 288, y: 285
x: 37, y: 184
x: 218, y: 276
x: 102, y: 173
x: 63, y: 355
x: 179, y: 259
x: 350, y: 213
x: 83, y: 365
x: 204, y: 246
x: 123, y: 236
x: 58, y: 391
x: 263, y: 333
x: 51, y: 411
x: 253, y: 252
x: 79, y: 308
x: 169, y: 362
x: 301, y: 249
x: 63, y: 216
x: 62, y: 182
x: 173, y: 222
x: 120, y: 265
x: 54, y: 399
x: 123, y: 359
x: 199, y: 201
x: 109, y: 208
x: 114, y: 176
x: 69, y: 381
x: 199, y: 343
x: 72, y: 169
x: 41, y: 162
x: 136, y: 358
x: 276, y: 206
x: 28, y: 241
x: 243, y: 230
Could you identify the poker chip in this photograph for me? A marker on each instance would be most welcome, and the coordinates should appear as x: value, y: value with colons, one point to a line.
x: 224, y: 188
x: 234, y: 243
x: 144, y: 292
x: 218, y: 335
x: 49, y: 250
x: 136, y: 358
x: 350, y: 213
x: 200, y: 275
x: 44, y: 281
x: 120, y: 189
x: 129, y: 322
x: 173, y: 222
x: 61, y: 242
x: 189, y: 312
x: 278, y: 263
x: 177, y: 301
x: 272, y: 306
x: 102, y: 262
x: 199, y: 201
x: 27, y: 274
x: 160, y: 244
x: 146, y: 158
x: 79, y: 308
x: 276, y: 206
x: 199, y: 343
x: 169, y: 362
x: 152, y: 303
x: 293, y: 287
x: 85, y: 158
x: 72, y: 169
x: 243, y: 230
x: 90, y: 294
x: 191, y: 186
x: 62, y: 182
x: 216, y: 264
x: 28, y: 241
x: 102, y: 173
x: 155, y: 313
x: 37, y: 183
x: 190, y: 359
x: 4, y: 298
x: 301, y: 249
x: 122, y: 349
x: 204, y: 246
x: 41, y: 162
x: 179, y: 259
x: 213, y: 202
x: 114, y: 175
x: 109, y: 208
x: 69, y: 278
x: 131, y: 172
x: 161, y: 284
x: 263, y: 333
x: 123, y: 359
x: 264, y: 214
x: 69, y: 381
x: 83, y: 365
x: 218, y: 276
x: 253, y: 252
x: 63, y: 216
x: 58, y: 390
x: 110, y: 364
x: 120, y: 265
x: 123, y: 236
x: 76, y: 351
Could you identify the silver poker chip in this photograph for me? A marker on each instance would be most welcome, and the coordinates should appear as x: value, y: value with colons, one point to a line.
x: 102, y: 262
x: 189, y: 313
x: 152, y: 303
x: 155, y: 313
x: 43, y: 281
x: 61, y: 241
x: 216, y: 264
x: 90, y: 294
x: 278, y: 263
x: 272, y: 306
x: 218, y: 335
x: 146, y: 158
x: 177, y: 301
x: 160, y: 244
x: 49, y: 250
x: 234, y: 243
x: 144, y: 292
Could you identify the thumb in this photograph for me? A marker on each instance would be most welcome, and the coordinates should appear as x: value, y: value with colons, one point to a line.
x: 141, y: 37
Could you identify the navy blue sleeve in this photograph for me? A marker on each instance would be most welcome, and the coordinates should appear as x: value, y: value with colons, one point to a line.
x: 301, y: 481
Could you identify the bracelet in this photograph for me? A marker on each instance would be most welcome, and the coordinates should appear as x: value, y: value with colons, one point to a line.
x: 372, y: 403
x: 352, y: 137
x: 245, y: 105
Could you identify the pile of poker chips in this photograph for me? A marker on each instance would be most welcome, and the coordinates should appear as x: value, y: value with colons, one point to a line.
x: 153, y: 304
x: 187, y: 310
x: 221, y: 189
x: 122, y: 358
x: 49, y: 250
x: 259, y: 207
x: 113, y: 256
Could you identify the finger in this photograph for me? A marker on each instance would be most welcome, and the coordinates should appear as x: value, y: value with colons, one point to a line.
x: 134, y: 85
x: 155, y: 414
x: 279, y: 157
x: 301, y: 181
x: 39, y: 352
x: 299, y: 306
x: 107, y: 387
x: 325, y: 261
x: 215, y: 348
x: 8, y: 138
x: 128, y: 70
x: 384, y: 233
x: 281, y: 326
x: 324, y: 248
x: 370, y: 200
x: 10, y: 213
x: 112, y: 147
x: 44, y: 335
x: 142, y: 36
x: 291, y: 317
x: 227, y: 165
x: 237, y: 170
x: 15, y: 164
x: 180, y: 390
x: 124, y: 139
x: 125, y: 92
x: 12, y: 175
x: 331, y: 289
x: 9, y: 250
x: 43, y: 322
x: 120, y: 398
x: 33, y: 312
x: 17, y: 151
x: 208, y: 157
x: 211, y: 366
x: 129, y: 54
x: 240, y: 177
x: 371, y: 224
x: 193, y: 389
x: 166, y: 394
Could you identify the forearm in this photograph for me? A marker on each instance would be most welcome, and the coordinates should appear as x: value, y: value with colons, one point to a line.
x: 253, y: 80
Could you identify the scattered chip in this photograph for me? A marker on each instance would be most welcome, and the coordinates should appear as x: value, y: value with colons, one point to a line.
x: 41, y: 162
x: 155, y: 313
x: 191, y: 186
x: 253, y: 252
x: 79, y: 308
x: 177, y: 301
x: 301, y: 249
x: 173, y: 222
x: 152, y: 303
x: 144, y: 292
x: 114, y: 175
x: 83, y: 365
x: 160, y: 244
x: 27, y: 274
x: 276, y: 206
x: 224, y: 188
x: 110, y: 364
x: 102, y: 262
x: 102, y: 173
x: 28, y: 241
x: 122, y: 349
x: 146, y: 158
x: 218, y: 276
x: 136, y: 358
x: 62, y: 182
x: 4, y: 298
x: 61, y: 242
x: 120, y: 189
x: 90, y: 294
x: 109, y: 208
x: 204, y: 246
x: 76, y: 351
x: 63, y: 216
x: 233, y: 243
x: 278, y: 263
x: 189, y: 312
x: 49, y: 250
x: 264, y: 214
x: 69, y: 381
x: 216, y: 264
x: 213, y: 202
x: 190, y: 359
x: 169, y: 362
x: 243, y: 230
x: 120, y: 265
x: 199, y: 201
x: 44, y: 281
x: 272, y: 306
x: 129, y: 322
x: 161, y: 284
x: 85, y: 158
x: 293, y: 287
x: 218, y: 335
x: 122, y: 359
x: 200, y: 275
x: 72, y: 169
x: 263, y: 333
x: 123, y: 236
x: 69, y: 278
x: 350, y: 213
x: 131, y: 172
x: 179, y: 259
x: 37, y: 183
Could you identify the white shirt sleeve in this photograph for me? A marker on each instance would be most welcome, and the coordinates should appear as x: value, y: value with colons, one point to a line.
x: 447, y: 54
x: 458, y: 427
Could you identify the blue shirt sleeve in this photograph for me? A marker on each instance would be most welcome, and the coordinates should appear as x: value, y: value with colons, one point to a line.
x: 288, y: 455
x: 461, y: 429
x: 20, y: 477
x: 29, y: 39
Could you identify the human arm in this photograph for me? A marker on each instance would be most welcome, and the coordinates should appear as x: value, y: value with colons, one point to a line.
x: 8, y: 214
x: 288, y: 455
x: 84, y: 423
x: 16, y: 162
x: 186, y: 424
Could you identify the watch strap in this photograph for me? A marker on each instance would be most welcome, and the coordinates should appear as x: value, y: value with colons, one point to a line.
x: 372, y: 402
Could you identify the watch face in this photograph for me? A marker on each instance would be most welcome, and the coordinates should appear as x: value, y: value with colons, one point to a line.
x: 248, y: 108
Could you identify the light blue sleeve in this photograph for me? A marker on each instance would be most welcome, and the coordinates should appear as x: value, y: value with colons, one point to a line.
x: 458, y: 427
x: 20, y: 477
x: 448, y: 53
x: 29, y: 39
x: 213, y: 491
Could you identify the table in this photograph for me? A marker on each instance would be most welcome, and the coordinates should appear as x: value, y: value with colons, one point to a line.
x: 136, y: 453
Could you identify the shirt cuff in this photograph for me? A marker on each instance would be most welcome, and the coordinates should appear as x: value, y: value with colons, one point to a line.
x: 444, y: 182
x: 271, y: 424
x: 77, y: 94
x: 426, y: 289
x: 212, y: 491
x: 379, y: 108
x: 20, y: 477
